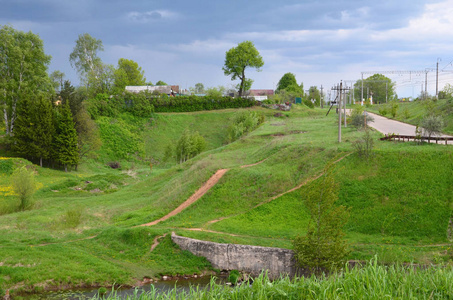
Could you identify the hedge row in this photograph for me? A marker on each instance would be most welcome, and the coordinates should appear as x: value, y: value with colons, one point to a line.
x: 144, y: 104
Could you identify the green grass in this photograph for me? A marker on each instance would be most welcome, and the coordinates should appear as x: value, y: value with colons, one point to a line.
x: 413, y: 112
x: 399, y: 200
x: 370, y: 282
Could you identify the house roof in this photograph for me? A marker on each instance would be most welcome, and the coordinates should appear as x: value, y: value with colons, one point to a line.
x: 163, y: 89
x: 261, y: 92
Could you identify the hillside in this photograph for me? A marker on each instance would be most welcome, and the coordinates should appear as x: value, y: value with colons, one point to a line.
x: 399, y: 199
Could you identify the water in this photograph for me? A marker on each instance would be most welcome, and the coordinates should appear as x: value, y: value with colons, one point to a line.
x: 159, y: 286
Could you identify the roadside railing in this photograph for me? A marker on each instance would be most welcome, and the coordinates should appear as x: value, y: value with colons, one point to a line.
x: 416, y: 138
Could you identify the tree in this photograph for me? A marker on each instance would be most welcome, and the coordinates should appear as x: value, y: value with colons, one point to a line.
x: 127, y: 73
x: 215, y: 91
x: 84, y: 57
x: 323, y: 247
x: 56, y: 77
x: 65, y: 141
x: 189, y: 145
x: 287, y: 80
x: 432, y: 125
x: 199, y: 88
x: 237, y: 59
x: 23, y: 71
x: 379, y: 86
x: 313, y: 93
x: 23, y: 183
x: 44, y: 129
x: 160, y: 82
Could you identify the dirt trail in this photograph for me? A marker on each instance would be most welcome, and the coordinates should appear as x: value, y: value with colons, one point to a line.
x: 156, y: 241
x: 279, y: 195
x: 197, y: 195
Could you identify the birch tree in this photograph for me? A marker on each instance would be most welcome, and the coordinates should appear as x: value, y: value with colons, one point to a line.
x: 23, y: 71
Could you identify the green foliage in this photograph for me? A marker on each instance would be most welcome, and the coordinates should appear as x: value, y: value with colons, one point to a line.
x: 358, y: 119
x: 127, y: 73
x: 243, y: 123
x: 233, y: 276
x: 394, y: 108
x: 189, y: 145
x: 370, y: 281
x: 314, y: 93
x: 432, y: 125
x: 65, y: 141
x: 120, y: 139
x: 288, y: 80
x: 323, y: 247
x: 237, y: 59
x: 6, y: 166
x: 383, y: 110
x: 23, y: 71
x: 364, y: 145
x: 381, y: 86
x: 23, y: 182
x: 72, y: 217
x: 160, y: 82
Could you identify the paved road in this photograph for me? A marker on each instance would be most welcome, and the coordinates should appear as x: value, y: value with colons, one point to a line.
x: 387, y: 126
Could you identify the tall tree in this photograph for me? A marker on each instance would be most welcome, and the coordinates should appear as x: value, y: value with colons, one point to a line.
x: 127, y: 73
x: 287, y: 80
x: 84, y: 57
x: 23, y: 71
x: 65, y: 141
x: 160, y: 82
x: 56, y: 78
x: 44, y: 129
x: 315, y: 94
x: 379, y: 86
x: 199, y: 88
x: 237, y: 59
x: 24, y: 129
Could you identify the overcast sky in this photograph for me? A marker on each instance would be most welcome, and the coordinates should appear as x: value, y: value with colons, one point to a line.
x: 184, y: 42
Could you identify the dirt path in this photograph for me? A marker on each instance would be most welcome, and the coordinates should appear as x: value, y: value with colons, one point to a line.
x: 305, y: 182
x: 156, y: 241
x: 197, y: 195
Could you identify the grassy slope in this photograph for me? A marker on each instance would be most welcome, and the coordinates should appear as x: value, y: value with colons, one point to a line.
x: 394, y: 207
x: 413, y: 112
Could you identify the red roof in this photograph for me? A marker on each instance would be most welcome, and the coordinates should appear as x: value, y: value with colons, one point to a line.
x: 261, y: 92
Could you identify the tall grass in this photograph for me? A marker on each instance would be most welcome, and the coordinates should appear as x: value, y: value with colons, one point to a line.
x: 373, y: 281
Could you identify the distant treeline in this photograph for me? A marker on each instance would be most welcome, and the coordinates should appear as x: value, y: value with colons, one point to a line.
x: 144, y: 104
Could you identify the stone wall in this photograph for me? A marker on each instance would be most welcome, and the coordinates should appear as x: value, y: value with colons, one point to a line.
x: 251, y: 259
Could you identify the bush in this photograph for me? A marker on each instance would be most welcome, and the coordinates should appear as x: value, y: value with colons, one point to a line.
x: 323, y: 247
x: 23, y: 183
x: 432, y: 125
x: 364, y: 145
x: 383, y: 110
x: 357, y: 119
x: 394, y: 108
x: 73, y: 217
x: 189, y: 145
x: 243, y: 123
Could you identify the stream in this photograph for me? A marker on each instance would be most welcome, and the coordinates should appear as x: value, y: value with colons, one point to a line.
x: 162, y: 286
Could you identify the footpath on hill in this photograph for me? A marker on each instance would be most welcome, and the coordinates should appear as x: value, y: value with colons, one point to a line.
x: 388, y: 126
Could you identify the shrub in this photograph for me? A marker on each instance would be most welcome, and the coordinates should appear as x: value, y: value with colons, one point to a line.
x: 364, y: 145
x: 432, y: 125
x: 243, y: 123
x: 189, y: 145
x: 73, y: 217
x: 357, y: 118
x: 23, y: 183
x: 394, y: 108
x: 383, y: 110
x: 323, y: 247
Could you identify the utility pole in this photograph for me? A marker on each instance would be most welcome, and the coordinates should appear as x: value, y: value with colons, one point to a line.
x: 341, y: 94
x: 321, y: 100
x: 425, y: 96
x: 437, y: 78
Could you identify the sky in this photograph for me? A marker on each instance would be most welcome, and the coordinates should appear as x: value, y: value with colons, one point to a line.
x: 184, y: 42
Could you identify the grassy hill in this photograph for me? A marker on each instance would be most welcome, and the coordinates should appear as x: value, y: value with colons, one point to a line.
x: 81, y: 229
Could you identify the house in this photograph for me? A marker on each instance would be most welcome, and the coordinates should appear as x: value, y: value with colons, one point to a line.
x: 170, y: 90
x: 260, y: 95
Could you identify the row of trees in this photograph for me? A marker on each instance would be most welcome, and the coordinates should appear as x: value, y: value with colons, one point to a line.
x: 36, y: 127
